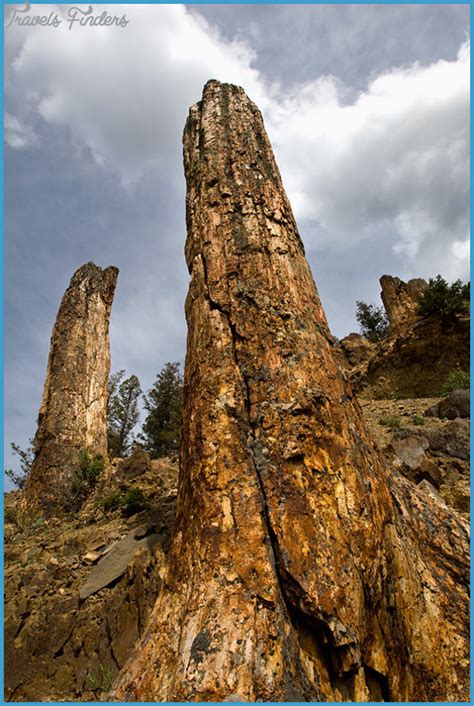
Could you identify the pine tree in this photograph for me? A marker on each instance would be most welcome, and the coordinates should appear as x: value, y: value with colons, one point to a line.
x: 122, y: 412
x: 444, y: 301
x: 162, y: 427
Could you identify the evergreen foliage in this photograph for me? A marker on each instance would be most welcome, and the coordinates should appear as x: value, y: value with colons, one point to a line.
x: 162, y: 427
x: 373, y: 321
x: 444, y: 301
x: 122, y: 412
x: 26, y: 456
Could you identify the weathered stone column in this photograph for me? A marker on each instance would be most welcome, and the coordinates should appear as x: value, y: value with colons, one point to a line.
x: 301, y: 568
x: 72, y: 416
x: 400, y: 300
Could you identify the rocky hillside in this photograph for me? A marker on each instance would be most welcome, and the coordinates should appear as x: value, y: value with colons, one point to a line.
x: 431, y: 452
x: 418, y: 355
x: 79, y: 589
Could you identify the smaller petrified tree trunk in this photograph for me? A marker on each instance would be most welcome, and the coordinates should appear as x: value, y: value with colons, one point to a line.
x: 72, y: 416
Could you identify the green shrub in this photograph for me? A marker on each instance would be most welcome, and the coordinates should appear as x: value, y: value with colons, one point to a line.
x: 134, y: 501
x: 91, y: 466
x: 456, y: 380
x: 373, y: 321
x: 392, y: 422
x: 111, y: 502
x: 419, y: 421
x: 102, y: 679
x: 10, y: 516
x: 443, y: 301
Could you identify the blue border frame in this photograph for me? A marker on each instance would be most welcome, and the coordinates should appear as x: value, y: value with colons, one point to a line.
x: 173, y: 2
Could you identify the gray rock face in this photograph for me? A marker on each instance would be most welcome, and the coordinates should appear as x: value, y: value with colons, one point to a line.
x: 72, y: 416
x: 115, y: 563
x: 439, y: 456
x: 452, y: 440
x: 411, y: 450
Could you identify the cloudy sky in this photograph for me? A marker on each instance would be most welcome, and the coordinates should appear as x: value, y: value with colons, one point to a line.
x: 367, y: 108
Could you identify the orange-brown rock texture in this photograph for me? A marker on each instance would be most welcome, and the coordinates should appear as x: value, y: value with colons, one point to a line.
x: 72, y: 416
x: 302, y: 568
x: 416, y: 362
x: 400, y: 300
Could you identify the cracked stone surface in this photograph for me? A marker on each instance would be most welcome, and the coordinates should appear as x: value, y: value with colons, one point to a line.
x: 73, y: 409
x: 302, y: 568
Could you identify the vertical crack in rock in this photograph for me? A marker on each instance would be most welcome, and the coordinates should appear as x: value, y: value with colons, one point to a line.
x: 301, y: 568
x: 72, y: 416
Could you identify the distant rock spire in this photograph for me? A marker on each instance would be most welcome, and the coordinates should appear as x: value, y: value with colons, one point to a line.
x: 301, y: 568
x: 400, y: 300
x: 72, y: 416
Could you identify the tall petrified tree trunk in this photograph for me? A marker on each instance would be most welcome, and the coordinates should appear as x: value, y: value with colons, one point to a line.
x: 72, y: 416
x: 301, y: 568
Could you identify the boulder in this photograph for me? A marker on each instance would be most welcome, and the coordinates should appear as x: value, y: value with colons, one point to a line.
x: 136, y: 464
x: 356, y: 349
x: 410, y: 449
x: 114, y: 564
x: 456, y: 405
x: 427, y: 487
x: 430, y: 471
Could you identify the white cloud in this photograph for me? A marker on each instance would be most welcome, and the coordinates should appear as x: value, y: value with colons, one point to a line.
x: 17, y: 134
x: 125, y: 92
x: 394, y: 159
x: 397, y: 157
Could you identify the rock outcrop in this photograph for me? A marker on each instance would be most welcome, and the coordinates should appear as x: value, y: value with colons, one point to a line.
x: 423, y: 448
x: 355, y: 350
x: 415, y: 362
x: 302, y: 568
x: 401, y: 300
x: 72, y: 416
x: 79, y: 590
x: 416, y: 358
